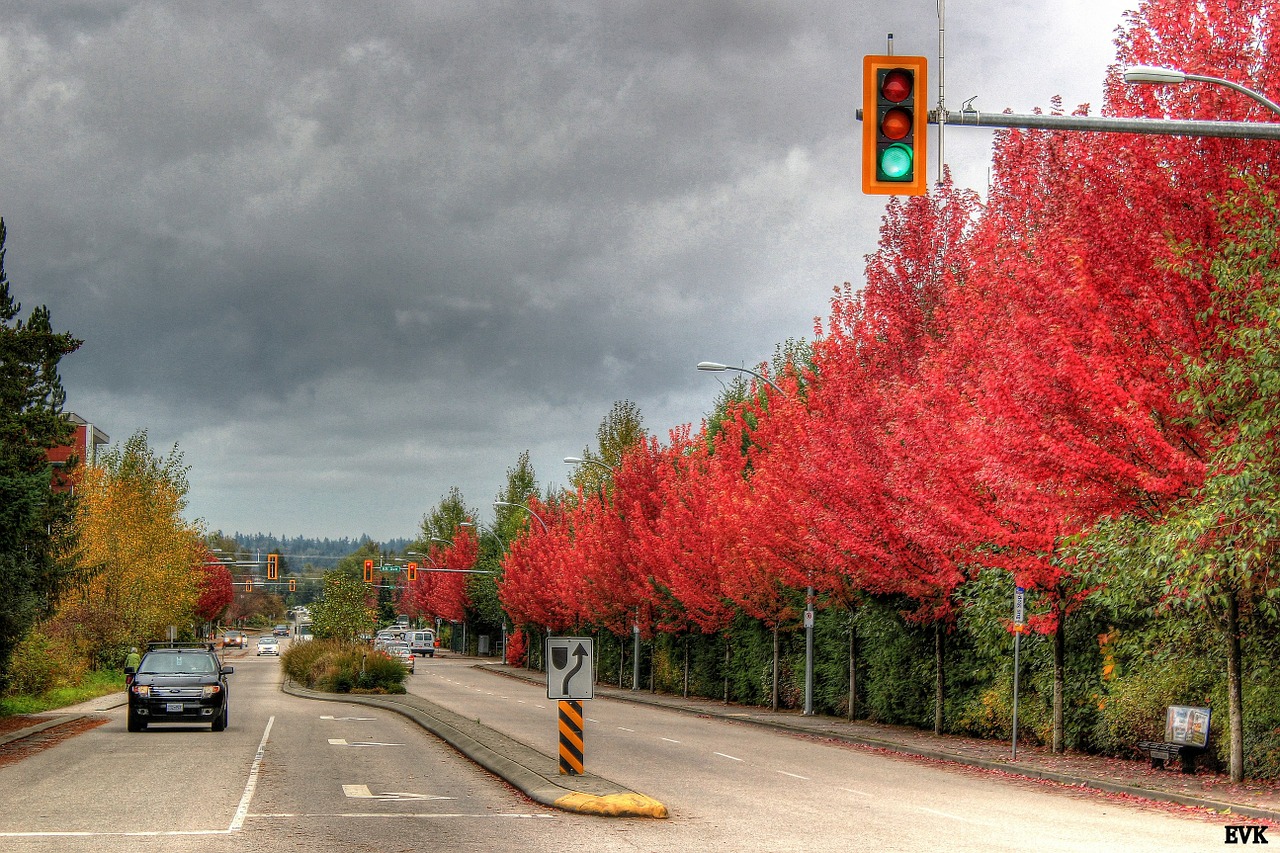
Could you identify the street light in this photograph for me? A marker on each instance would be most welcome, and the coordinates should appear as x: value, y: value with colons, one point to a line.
x: 578, y: 460
x: 526, y: 509
x: 716, y: 367
x: 1172, y: 76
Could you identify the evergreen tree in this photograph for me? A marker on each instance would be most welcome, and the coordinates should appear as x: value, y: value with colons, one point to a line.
x: 33, y: 519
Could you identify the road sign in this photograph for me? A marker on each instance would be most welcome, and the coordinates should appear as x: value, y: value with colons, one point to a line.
x: 569, y: 668
x: 1019, y: 605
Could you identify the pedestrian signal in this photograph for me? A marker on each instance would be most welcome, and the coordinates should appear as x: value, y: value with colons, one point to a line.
x: 895, y: 121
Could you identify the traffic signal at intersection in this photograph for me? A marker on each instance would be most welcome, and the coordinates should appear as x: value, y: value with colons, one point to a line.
x: 273, y: 567
x: 895, y: 122
x: 368, y: 571
x: 412, y: 569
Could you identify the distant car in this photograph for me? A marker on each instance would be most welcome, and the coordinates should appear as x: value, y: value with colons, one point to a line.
x: 280, y: 631
x: 268, y: 646
x: 178, y: 683
x: 401, y: 652
x: 233, y: 640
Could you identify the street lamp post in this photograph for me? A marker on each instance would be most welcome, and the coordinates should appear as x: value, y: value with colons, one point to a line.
x: 1172, y: 76
x: 536, y: 517
x: 716, y: 367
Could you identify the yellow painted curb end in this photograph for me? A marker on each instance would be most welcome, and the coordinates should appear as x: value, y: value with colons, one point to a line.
x: 612, y: 805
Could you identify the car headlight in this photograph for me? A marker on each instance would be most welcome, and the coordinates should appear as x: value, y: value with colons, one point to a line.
x: 212, y: 690
x: 142, y: 689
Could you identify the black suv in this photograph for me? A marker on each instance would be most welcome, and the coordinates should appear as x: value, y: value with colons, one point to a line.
x: 178, y: 683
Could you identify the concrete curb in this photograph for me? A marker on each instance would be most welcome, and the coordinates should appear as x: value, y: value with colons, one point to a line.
x: 518, y: 764
x: 939, y: 755
x: 38, y: 727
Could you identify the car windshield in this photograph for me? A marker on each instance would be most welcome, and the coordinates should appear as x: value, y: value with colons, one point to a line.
x: 195, y: 664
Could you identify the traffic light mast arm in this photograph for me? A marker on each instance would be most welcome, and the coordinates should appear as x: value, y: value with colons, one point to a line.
x: 1106, y: 124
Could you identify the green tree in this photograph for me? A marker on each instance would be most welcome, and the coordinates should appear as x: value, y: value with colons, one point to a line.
x: 1219, y: 550
x: 34, y: 522
x: 620, y: 430
x: 344, y: 611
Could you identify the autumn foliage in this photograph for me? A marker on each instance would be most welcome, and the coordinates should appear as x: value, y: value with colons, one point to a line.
x: 1015, y: 372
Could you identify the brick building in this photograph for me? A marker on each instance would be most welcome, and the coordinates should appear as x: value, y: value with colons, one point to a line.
x: 84, y: 447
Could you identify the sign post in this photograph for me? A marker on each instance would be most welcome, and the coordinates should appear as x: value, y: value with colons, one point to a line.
x: 1019, y: 616
x: 570, y: 680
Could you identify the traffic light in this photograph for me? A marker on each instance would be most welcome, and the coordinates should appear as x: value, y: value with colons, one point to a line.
x: 413, y: 571
x: 368, y: 571
x: 273, y: 567
x: 895, y: 124
x: 293, y: 584
x: 248, y: 585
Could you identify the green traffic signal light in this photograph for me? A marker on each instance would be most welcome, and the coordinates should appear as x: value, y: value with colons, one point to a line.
x: 895, y: 162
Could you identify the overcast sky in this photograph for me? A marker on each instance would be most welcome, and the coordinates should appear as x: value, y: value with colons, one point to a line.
x: 350, y: 255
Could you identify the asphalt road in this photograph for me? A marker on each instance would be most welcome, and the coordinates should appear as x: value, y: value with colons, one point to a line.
x: 291, y: 774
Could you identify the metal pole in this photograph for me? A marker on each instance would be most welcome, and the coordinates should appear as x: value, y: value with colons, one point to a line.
x: 635, y: 654
x: 1017, y: 643
x: 808, y: 655
x: 1103, y: 124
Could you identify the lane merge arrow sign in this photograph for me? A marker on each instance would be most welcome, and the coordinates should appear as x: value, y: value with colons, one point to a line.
x: 570, y: 668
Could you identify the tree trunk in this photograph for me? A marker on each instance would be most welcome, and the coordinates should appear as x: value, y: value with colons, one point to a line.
x: 853, y: 665
x: 1059, y: 680
x: 773, y: 702
x: 1235, y: 700
x: 940, y: 684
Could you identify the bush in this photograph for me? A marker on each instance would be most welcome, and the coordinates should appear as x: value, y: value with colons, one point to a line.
x: 42, y: 663
x: 337, y: 667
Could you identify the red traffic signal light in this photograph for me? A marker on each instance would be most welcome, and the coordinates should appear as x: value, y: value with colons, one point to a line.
x: 413, y: 571
x: 895, y: 121
x: 273, y: 567
x: 368, y: 571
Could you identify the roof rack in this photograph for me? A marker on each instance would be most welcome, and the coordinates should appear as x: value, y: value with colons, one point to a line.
x: 170, y: 644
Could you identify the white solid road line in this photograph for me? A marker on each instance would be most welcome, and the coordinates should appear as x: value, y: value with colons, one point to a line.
x: 243, y: 809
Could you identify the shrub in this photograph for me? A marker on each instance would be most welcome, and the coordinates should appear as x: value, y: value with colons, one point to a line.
x: 42, y: 663
x: 337, y: 667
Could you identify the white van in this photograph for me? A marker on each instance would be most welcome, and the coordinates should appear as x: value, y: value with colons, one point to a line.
x: 422, y: 642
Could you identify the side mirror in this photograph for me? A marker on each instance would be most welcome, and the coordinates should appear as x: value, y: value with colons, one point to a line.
x: 130, y: 670
x: 227, y: 670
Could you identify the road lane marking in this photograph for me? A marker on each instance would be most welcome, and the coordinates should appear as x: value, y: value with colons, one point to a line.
x: 362, y: 815
x: 852, y: 791
x: 669, y: 740
x: 625, y: 729
x: 730, y: 757
x: 348, y: 719
x: 792, y: 775
x: 338, y: 741
x: 243, y: 809
x: 362, y: 792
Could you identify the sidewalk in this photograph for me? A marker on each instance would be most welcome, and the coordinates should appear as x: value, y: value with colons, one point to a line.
x: 1259, y: 800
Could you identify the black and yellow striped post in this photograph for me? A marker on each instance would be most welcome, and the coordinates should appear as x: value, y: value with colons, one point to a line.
x: 570, y: 738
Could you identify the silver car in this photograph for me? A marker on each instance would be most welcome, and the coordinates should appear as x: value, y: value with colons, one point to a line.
x: 268, y: 646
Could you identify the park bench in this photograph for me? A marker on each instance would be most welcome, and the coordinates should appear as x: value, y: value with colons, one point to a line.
x: 1186, y: 735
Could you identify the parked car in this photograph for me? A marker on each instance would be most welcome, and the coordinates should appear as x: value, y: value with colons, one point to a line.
x: 268, y: 646
x: 233, y: 640
x: 179, y: 683
x: 401, y: 652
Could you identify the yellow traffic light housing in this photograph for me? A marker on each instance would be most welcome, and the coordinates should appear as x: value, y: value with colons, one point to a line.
x: 293, y: 584
x: 895, y: 123
x: 413, y: 571
x: 273, y: 567
x: 368, y: 571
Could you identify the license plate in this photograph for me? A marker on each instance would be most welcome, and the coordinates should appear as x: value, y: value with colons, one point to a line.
x: 173, y: 708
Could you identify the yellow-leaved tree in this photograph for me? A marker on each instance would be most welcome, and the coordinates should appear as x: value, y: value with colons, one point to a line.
x: 140, y: 561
